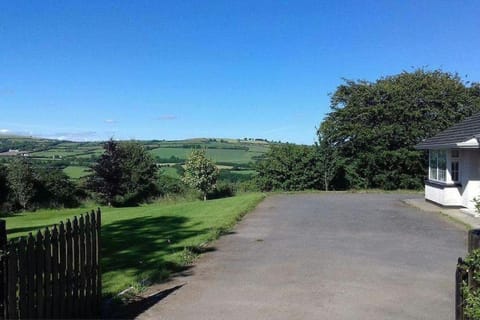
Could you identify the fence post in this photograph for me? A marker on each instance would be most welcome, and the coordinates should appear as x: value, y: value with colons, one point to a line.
x: 3, y: 271
x: 473, y: 239
x: 459, y: 275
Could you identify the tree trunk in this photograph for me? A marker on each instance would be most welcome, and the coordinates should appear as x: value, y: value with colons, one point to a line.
x: 204, y: 197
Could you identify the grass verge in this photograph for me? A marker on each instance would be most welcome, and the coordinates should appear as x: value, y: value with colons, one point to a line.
x: 145, y: 244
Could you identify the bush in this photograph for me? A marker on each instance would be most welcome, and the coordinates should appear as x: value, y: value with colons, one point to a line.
x: 471, y: 293
x: 222, y: 190
x: 167, y: 185
x: 54, y: 189
x: 290, y: 168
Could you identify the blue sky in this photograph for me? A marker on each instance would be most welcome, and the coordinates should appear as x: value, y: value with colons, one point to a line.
x: 233, y: 69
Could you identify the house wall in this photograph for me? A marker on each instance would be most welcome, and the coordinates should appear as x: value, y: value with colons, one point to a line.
x: 447, y: 193
x: 470, y: 176
x: 445, y: 196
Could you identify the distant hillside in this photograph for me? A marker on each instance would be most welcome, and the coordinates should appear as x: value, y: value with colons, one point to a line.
x: 77, y: 156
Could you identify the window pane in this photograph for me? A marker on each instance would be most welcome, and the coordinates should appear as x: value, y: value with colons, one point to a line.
x: 442, y: 165
x: 433, y: 165
x: 455, y: 171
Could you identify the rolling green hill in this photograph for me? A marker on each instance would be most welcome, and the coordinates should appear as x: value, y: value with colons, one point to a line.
x: 75, y: 157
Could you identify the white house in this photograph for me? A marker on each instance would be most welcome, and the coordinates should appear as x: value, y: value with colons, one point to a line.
x: 454, y: 164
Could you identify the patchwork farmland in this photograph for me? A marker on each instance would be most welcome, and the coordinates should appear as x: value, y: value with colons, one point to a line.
x: 231, y: 155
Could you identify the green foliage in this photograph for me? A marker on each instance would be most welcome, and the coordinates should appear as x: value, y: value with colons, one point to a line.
x: 21, y: 182
x: 124, y: 174
x: 138, y: 169
x: 200, y: 172
x: 476, y: 203
x: 54, y: 189
x: 472, y: 293
x: 106, y: 180
x: 290, y: 167
x: 222, y: 190
x: 4, y: 190
x: 373, y: 127
x: 168, y: 185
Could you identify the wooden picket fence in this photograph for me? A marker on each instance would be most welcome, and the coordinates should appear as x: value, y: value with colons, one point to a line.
x: 54, y: 274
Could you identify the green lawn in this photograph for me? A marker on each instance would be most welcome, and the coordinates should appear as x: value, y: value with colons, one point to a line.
x: 150, y: 241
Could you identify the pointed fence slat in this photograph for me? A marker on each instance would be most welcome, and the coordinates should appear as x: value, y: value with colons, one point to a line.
x: 57, y: 296
x: 76, y: 267
x: 95, y: 261
x: 39, y: 272
x: 31, y: 276
x: 69, y: 272
x: 48, y: 275
x: 88, y: 266
x: 54, y: 275
x: 22, y: 278
x: 62, y: 249
x: 81, y: 271
x: 12, y: 282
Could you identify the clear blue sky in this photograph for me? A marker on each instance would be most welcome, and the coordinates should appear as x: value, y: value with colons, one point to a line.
x: 234, y: 69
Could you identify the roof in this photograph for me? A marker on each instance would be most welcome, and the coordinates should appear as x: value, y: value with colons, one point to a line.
x: 463, y: 134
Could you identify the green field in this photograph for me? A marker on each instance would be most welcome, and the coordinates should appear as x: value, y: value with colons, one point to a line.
x: 233, y: 151
x: 76, y: 172
x: 76, y: 156
x: 217, y: 155
x: 170, y: 171
x: 150, y: 241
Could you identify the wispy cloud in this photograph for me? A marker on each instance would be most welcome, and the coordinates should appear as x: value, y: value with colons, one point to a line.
x: 110, y: 121
x: 73, y: 136
x: 14, y: 132
x: 166, y: 117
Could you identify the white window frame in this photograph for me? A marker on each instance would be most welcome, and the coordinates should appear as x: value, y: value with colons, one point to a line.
x: 437, y: 169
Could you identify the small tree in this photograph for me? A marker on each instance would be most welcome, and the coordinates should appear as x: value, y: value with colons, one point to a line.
x: 200, y: 172
x: 3, y: 185
x: 124, y: 175
x: 21, y: 182
x: 107, y: 173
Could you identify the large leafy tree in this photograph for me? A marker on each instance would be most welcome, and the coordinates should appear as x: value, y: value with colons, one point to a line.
x: 21, y: 182
x: 290, y: 167
x: 373, y: 126
x: 54, y: 188
x: 138, y: 179
x: 106, y: 180
x: 200, y: 172
x: 124, y: 175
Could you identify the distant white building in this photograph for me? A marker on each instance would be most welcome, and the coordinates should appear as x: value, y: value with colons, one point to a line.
x: 454, y: 164
x: 15, y: 152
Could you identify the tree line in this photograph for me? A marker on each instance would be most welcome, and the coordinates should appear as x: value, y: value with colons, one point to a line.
x: 367, y: 140
x: 124, y: 175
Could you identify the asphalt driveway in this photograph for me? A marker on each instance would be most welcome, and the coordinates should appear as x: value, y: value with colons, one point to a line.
x: 325, y: 256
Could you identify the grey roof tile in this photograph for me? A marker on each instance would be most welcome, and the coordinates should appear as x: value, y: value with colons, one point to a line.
x: 462, y: 131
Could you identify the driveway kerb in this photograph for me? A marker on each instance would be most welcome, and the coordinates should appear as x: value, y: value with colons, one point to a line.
x: 455, y: 214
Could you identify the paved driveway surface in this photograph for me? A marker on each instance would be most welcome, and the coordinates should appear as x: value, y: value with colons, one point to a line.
x: 325, y: 256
